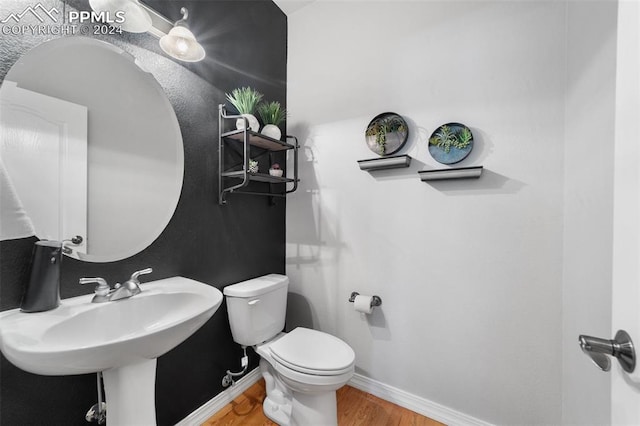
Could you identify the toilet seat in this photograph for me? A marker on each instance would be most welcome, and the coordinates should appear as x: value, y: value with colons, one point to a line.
x: 313, y: 352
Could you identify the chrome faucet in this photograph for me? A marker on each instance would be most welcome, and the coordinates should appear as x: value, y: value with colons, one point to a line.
x: 104, y: 293
x: 133, y: 284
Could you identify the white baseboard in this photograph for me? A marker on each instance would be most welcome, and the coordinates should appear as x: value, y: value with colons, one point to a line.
x: 415, y: 403
x: 218, y: 402
x: 399, y: 397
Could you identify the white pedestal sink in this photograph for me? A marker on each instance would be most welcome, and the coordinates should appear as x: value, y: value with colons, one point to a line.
x: 122, y: 339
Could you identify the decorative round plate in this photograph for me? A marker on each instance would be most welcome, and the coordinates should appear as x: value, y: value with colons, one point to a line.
x: 387, y: 133
x: 451, y: 143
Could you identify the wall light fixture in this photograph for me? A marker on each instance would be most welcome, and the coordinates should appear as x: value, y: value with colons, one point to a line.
x: 180, y: 43
x: 176, y: 39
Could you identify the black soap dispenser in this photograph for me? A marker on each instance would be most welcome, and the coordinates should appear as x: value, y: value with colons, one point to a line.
x: 42, y: 292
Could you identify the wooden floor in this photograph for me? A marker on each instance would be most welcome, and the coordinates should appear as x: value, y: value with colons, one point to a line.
x: 355, y: 408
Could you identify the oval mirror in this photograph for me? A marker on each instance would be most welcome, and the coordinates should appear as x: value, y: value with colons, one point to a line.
x: 91, y: 146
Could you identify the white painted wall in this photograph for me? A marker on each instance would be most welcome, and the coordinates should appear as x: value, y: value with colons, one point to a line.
x: 470, y: 272
x: 588, y: 220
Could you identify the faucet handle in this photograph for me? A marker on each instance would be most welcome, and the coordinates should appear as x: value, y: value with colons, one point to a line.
x: 135, y: 275
x: 102, y: 289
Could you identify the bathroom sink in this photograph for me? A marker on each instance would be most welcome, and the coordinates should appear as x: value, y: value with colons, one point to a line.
x: 122, y: 339
x: 83, y: 337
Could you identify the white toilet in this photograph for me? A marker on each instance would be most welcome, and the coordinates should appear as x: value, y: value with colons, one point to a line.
x: 303, y: 368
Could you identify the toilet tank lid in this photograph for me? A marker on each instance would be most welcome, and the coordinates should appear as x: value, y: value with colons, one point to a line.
x: 257, y: 286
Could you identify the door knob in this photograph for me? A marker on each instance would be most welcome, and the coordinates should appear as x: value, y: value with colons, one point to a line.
x: 599, y: 350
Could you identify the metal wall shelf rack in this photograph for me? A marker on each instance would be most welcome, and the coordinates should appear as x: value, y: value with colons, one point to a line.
x: 245, y: 144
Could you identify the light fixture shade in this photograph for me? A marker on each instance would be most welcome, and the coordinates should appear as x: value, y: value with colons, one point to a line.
x: 136, y: 19
x: 181, y: 44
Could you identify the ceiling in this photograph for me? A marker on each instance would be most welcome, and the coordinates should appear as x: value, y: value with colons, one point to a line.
x: 290, y: 6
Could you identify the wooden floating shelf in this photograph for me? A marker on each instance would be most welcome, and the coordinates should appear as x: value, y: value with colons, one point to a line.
x: 258, y: 139
x: 263, y: 177
x: 456, y: 173
x: 258, y: 177
x: 382, y: 163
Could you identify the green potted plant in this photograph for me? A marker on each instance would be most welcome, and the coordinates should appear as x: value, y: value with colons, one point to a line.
x: 446, y: 138
x: 272, y: 115
x: 451, y: 143
x: 383, y: 130
x: 245, y: 100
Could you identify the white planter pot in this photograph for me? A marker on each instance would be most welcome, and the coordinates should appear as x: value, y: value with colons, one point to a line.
x: 272, y: 131
x: 253, y: 122
x: 276, y: 172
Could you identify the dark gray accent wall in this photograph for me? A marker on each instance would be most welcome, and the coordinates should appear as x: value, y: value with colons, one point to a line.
x: 246, y: 44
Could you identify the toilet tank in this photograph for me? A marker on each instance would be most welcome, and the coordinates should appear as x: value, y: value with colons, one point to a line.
x: 257, y: 308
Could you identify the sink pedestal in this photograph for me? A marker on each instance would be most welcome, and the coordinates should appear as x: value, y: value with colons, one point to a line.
x: 130, y: 394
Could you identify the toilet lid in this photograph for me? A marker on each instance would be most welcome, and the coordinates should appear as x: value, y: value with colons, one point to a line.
x: 313, y: 352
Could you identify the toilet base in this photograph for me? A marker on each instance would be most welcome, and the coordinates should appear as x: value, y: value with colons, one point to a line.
x: 290, y: 407
x: 314, y: 409
x: 278, y: 413
x: 277, y: 404
x: 303, y: 410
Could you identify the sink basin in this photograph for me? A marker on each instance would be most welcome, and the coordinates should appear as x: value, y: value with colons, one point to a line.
x: 121, y: 338
x: 83, y: 337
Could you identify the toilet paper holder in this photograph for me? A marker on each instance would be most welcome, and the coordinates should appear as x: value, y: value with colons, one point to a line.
x: 375, y: 300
